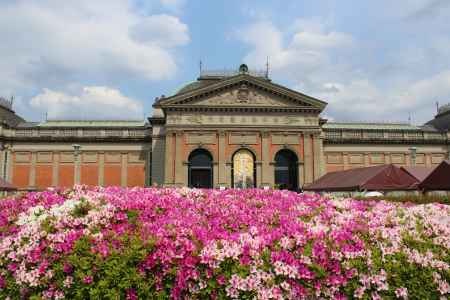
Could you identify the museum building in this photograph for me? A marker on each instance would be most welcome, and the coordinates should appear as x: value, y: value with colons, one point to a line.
x: 225, y: 129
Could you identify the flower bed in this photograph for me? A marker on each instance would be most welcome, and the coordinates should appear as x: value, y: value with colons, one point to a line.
x: 197, y: 244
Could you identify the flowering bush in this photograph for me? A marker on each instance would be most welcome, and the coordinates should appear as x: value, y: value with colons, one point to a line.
x: 208, y: 244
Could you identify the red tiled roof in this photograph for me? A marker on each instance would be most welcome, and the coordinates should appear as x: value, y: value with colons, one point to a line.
x: 384, y: 177
x: 439, y: 179
x: 420, y: 173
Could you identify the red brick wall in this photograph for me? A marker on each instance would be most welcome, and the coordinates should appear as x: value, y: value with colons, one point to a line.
x: 136, y: 175
x: 44, y: 175
x: 21, y: 175
x: 89, y: 174
x: 66, y: 173
x: 112, y: 175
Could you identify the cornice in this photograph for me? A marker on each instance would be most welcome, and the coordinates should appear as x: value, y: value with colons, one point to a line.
x: 284, y: 92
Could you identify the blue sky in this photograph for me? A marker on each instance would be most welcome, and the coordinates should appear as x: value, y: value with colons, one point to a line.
x: 370, y: 60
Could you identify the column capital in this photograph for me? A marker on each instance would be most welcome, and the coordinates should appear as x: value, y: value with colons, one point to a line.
x: 179, y: 133
x: 221, y: 132
x: 265, y: 133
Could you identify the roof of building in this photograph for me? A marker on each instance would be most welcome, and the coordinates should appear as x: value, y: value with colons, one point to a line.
x: 420, y: 173
x: 369, y: 126
x: 438, y: 179
x: 442, y: 120
x: 7, y: 113
x: 380, y: 178
x: 92, y: 123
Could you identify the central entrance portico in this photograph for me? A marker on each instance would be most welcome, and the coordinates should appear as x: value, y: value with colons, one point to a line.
x: 237, y: 130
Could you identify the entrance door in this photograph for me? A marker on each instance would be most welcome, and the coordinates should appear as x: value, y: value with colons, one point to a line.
x: 200, y: 169
x: 286, y: 170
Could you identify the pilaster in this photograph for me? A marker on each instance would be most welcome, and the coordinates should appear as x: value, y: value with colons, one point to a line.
x: 180, y: 172
x: 169, y: 163
x: 32, y: 178
x: 77, y: 166
x: 266, y: 178
x: 309, y: 160
x: 124, y: 169
x: 221, y: 172
x: 101, y: 169
x: 55, y: 169
x: 319, y: 164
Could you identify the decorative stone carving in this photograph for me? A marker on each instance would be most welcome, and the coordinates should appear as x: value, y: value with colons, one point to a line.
x: 281, y: 139
x: 195, y: 119
x: 241, y: 138
x: 245, y: 95
x: 204, y: 138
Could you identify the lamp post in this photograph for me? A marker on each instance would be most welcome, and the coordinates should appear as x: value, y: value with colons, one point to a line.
x: 413, y: 151
x: 76, y: 148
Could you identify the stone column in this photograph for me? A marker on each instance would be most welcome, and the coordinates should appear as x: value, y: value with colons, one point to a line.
x: 366, y: 158
x: 55, y: 169
x: 222, y: 160
x: 301, y: 174
x: 124, y: 169
x: 168, y: 161
x: 387, y: 157
x: 258, y: 173
x: 101, y: 168
x: 345, y: 160
x: 266, y: 178
x: 77, y: 166
x: 180, y: 176
x: 309, y: 171
x: 32, y: 178
x: 319, y: 166
x: 9, y: 164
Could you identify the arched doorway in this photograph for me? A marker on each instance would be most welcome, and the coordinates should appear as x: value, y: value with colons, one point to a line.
x: 286, y: 170
x: 200, y: 169
x: 244, y: 171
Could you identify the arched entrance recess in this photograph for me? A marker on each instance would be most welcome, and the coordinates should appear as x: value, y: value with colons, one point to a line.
x: 200, y: 170
x: 286, y: 170
x: 244, y: 169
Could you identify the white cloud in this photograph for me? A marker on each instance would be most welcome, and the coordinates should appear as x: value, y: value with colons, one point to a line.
x: 52, y: 42
x: 365, y: 100
x: 306, y: 50
x: 92, y: 102
x: 160, y: 31
x: 360, y: 79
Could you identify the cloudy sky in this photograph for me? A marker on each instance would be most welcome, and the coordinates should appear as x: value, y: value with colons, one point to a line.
x: 108, y: 59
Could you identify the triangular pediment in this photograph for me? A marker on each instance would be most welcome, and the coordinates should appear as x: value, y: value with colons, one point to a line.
x: 242, y: 91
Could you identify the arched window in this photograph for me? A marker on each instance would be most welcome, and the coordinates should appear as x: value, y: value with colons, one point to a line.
x: 200, y: 169
x: 286, y: 170
x: 244, y: 171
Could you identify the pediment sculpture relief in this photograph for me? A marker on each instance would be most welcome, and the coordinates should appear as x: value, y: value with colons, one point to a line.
x: 243, y: 95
